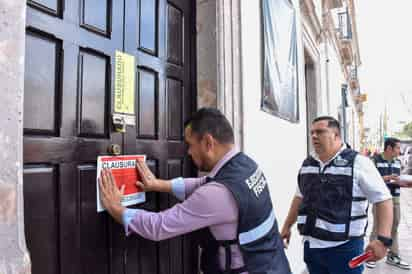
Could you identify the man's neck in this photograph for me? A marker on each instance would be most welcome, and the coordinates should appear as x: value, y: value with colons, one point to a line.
x: 221, y: 152
x: 387, y: 156
x: 327, y: 156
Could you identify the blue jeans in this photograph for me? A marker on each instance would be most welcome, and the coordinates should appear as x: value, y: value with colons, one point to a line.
x: 333, y: 260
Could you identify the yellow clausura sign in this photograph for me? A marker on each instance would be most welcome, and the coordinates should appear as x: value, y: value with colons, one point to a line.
x: 124, y: 83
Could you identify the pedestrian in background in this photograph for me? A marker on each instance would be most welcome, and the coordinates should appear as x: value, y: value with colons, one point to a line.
x: 330, y: 206
x: 389, y: 167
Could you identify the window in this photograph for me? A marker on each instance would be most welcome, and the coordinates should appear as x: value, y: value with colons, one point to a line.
x: 280, y: 81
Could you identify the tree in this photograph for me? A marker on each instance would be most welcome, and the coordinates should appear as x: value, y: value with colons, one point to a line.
x: 407, y: 130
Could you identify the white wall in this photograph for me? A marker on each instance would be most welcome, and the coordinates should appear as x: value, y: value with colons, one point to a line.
x: 324, y: 81
x: 277, y: 145
x: 353, y: 132
x: 336, y: 79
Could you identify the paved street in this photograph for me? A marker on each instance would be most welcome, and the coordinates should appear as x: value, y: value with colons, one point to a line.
x: 405, y: 241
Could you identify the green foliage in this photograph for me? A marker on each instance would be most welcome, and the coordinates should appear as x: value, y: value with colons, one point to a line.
x: 407, y: 130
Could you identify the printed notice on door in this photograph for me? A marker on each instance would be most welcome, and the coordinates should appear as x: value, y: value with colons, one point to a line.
x: 124, y: 172
x: 124, y: 83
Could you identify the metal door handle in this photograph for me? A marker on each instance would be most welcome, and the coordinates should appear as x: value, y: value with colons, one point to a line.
x: 114, y: 149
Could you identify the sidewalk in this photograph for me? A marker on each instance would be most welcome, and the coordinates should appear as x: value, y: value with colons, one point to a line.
x: 405, y: 237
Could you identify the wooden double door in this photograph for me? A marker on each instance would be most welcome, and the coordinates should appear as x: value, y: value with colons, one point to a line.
x: 68, y: 102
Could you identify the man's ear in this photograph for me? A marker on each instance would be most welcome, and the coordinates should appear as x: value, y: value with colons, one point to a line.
x: 337, y: 134
x: 210, y: 141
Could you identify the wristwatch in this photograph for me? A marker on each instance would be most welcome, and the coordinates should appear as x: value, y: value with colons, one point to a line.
x: 385, y: 240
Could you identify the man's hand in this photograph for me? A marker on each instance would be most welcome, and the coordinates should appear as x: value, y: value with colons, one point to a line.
x: 391, y: 178
x: 290, y: 220
x: 110, y: 195
x: 384, y: 213
x: 148, y: 181
x: 386, y: 178
x: 405, y: 181
x: 378, y: 250
x: 285, y: 235
x: 395, y: 179
x: 403, y: 184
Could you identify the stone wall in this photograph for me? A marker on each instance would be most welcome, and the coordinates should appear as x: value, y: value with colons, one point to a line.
x: 206, y: 53
x: 219, y: 82
x: 13, y: 254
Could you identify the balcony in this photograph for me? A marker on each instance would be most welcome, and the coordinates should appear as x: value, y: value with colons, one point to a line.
x: 346, y: 52
x: 361, y: 98
x: 344, y: 25
x: 344, y: 30
x: 353, y: 78
x: 359, y: 109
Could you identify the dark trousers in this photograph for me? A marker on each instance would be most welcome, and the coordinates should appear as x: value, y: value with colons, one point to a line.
x: 333, y: 260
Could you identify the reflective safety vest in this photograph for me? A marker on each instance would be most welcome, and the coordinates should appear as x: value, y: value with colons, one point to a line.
x: 258, y: 235
x: 332, y: 208
x: 388, y: 168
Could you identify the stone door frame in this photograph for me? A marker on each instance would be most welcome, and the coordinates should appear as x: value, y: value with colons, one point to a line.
x: 219, y: 73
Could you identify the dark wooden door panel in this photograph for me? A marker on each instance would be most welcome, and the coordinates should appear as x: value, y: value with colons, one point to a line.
x: 41, y: 207
x: 174, y: 113
x: 69, y: 84
x: 93, y: 229
x: 52, y: 7
x: 96, y: 16
x: 175, y: 33
x: 93, y: 94
x: 147, y: 102
x: 43, y: 68
x: 148, y: 14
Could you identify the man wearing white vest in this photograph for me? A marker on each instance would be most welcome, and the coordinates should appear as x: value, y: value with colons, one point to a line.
x: 330, y: 206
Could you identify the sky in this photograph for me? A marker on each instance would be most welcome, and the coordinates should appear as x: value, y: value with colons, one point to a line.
x: 385, y: 41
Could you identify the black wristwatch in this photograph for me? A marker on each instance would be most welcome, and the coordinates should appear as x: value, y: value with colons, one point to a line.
x: 385, y: 240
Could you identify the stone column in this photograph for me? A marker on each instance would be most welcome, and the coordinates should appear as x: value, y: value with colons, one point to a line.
x: 206, y: 53
x: 14, y: 257
x: 229, y: 98
x: 219, y: 60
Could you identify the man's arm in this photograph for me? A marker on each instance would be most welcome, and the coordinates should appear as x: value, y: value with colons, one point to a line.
x: 405, y: 180
x: 384, y: 212
x: 209, y: 205
x: 194, y: 213
x: 384, y: 218
x: 290, y: 220
x: 149, y: 182
x: 179, y: 187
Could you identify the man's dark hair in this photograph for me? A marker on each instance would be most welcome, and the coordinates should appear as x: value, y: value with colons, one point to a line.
x: 390, y: 142
x: 332, y: 122
x: 212, y: 121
